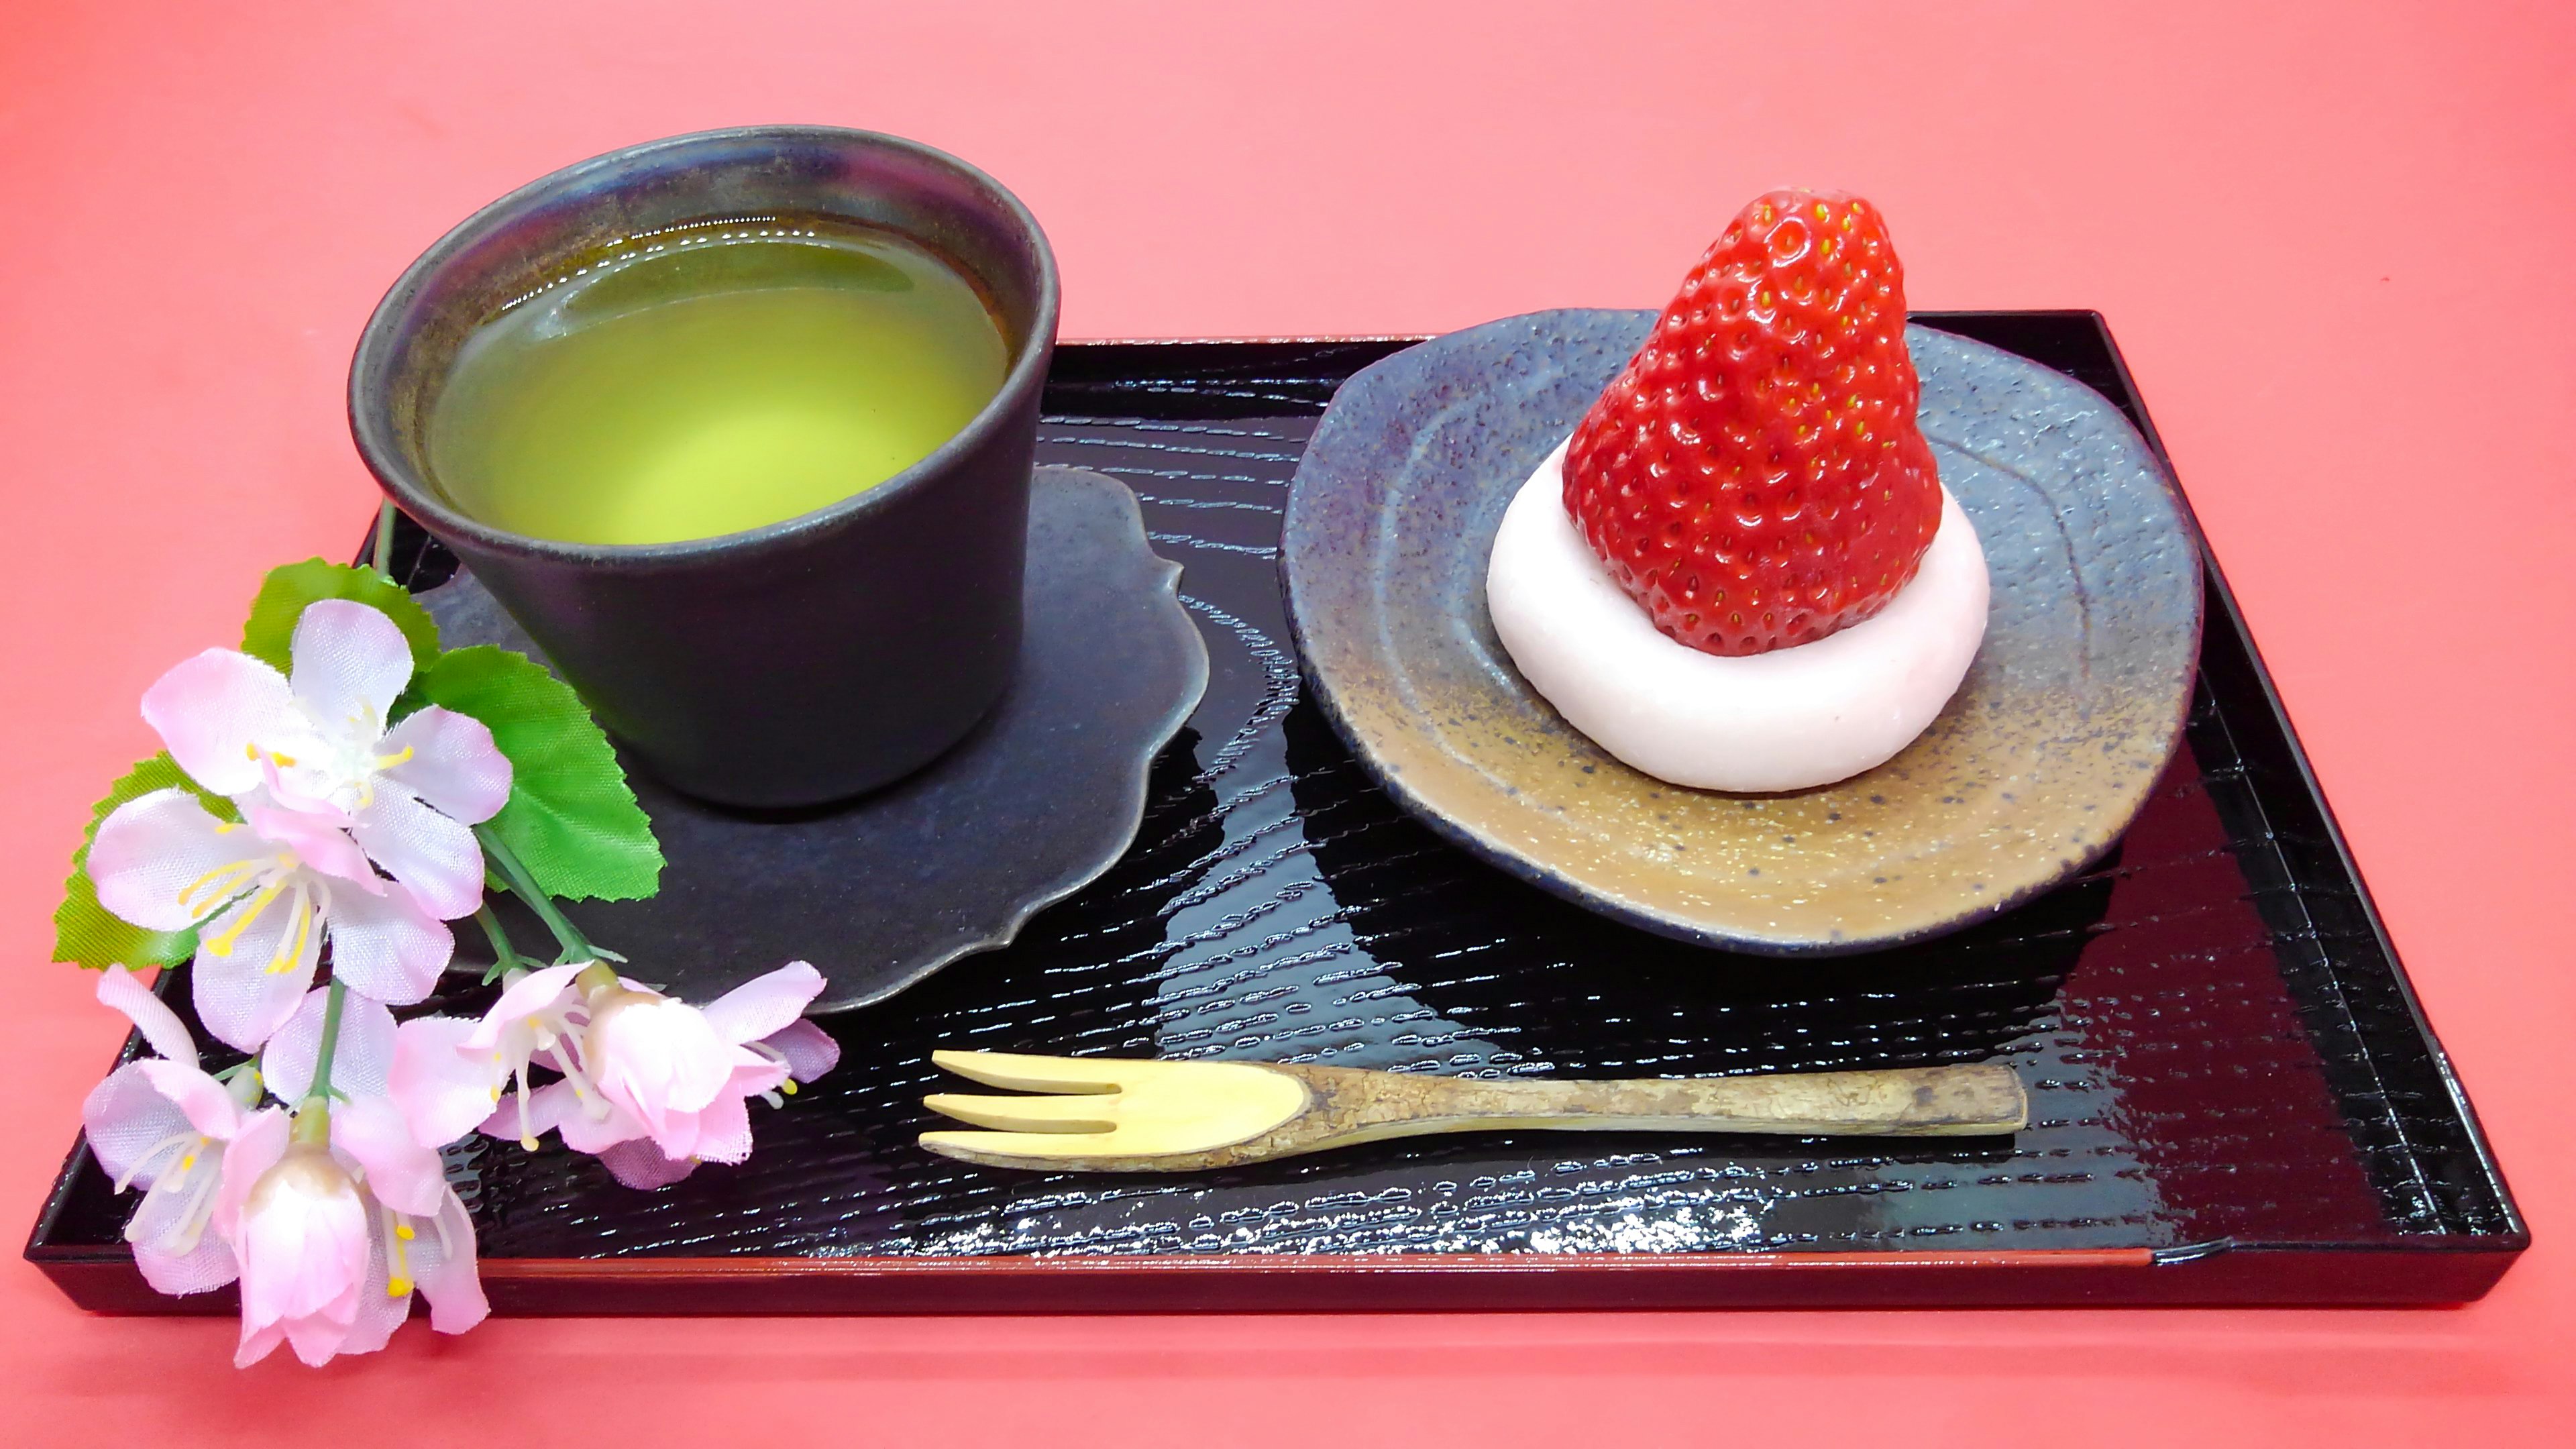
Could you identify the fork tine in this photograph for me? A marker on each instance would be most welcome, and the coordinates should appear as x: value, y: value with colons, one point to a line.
x: 1036, y: 1074
x: 1015, y: 1149
x: 1077, y: 1113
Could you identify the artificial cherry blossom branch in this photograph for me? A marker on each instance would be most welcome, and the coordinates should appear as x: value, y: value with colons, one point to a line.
x: 576, y: 946
x: 504, y: 959
x: 318, y: 1098
x: 384, y: 551
x: 334, y: 787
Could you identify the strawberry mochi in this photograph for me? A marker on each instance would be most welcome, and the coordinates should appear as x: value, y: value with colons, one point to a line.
x: 1742, y: 572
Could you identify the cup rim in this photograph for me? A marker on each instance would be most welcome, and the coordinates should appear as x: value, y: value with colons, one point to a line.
x: 370, y: 421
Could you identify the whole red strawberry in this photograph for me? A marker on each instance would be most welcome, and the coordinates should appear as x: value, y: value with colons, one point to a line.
x: 1755, y: 478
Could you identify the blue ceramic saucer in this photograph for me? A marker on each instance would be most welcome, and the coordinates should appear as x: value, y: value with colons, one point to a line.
x: 2069, y: 714
x: 878, y: 893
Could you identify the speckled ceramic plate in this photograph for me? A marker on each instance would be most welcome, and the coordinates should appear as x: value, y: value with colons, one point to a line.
x: 2072, y: 708
x: 879, y: 893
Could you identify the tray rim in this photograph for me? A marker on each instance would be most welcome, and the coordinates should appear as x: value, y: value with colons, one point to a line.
x: 2443, y: 1268
x: 2222, y: 594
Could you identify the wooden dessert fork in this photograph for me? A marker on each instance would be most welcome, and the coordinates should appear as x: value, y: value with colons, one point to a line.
x: 1103, y: 1114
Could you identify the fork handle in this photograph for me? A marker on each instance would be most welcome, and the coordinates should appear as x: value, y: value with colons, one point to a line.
x: 1956, y: 1101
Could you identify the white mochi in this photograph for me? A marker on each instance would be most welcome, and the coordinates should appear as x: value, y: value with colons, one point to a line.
x: 1789, y: 719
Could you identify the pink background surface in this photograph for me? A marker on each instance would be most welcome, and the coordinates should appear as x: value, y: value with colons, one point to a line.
x: 2335, y: 246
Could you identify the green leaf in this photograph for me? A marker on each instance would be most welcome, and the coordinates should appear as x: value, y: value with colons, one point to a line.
x: 85, y: 933
x: 286, y: 591
x: 570, y: 819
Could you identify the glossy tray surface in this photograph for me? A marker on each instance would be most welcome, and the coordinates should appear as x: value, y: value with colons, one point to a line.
x: 2224, y: 1059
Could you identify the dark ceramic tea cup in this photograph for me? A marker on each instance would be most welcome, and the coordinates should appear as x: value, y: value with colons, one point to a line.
x: 790, y: 665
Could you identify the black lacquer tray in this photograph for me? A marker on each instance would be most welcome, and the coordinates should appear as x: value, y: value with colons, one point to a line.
x: 2235, y: 1096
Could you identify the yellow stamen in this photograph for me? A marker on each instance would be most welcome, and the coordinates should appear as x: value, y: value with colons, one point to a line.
x: 287, y: 955
x: 397, y: 1278
x: 187, y: 1162
x: 788, y: 1086
x: 530, y: 1143
x: 217, y: 883
x: 387, y: 762
x: 242, y: 917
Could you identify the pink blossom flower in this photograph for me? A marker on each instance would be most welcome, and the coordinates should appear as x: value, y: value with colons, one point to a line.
x: 449, y: 1074
x: 264, y: 895
x: 650, y: 1084
x: 299, y: 1226
x: 328, y: 797
x: 673, y: 1083
x: 335, y: 1236
x: 331, y: 1252
x: 317, y: 743
x: 158, y: 1123
x: 329, y: 1239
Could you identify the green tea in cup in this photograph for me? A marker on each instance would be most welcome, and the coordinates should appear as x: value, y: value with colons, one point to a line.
x: 712, y: 379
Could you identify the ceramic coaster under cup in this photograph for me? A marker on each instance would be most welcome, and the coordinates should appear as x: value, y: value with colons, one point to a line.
x: 1038, y: 800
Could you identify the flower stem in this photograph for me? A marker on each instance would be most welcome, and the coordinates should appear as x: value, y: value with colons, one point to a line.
x: 504, y: 960
x: 313, y: 1116
x: 384, y: 559
x: 576, y: 947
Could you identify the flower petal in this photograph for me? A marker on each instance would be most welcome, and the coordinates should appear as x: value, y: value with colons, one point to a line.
x: 240, y: 1000
x: 211, y: 711
x: 443, y: 1265
x: 557, y: 1106
x: 171, y: 1218
x: 724, y: 1130
x: 386, y: 947
x: 753, y: 1074
x: 359, y: 1065
x: 521, y: 999
x: 318, y: 1338
x: 437, y: 857
x: 655, y: 1056
x: 207, y: 1265
x: 351, y: 663
x: 453, y: 763
x: 403, y: 1174
x: 809, y: 1049
x: 122, y: 990
x: 257, y: 1342
x: 163, y: 863
x: 302, y: 1242
x: 319, y: 840
x: 444, y: 1088
x: 365, y: 1060
x: 641, y: 1165
x: 126, y: 1118
x: 764, y: 1004
x: 253, y: 1151
x: 381, y: 1310
x: 210, y: 1109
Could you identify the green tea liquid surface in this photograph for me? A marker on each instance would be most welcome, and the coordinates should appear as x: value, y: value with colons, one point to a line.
x: 706, y: 382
